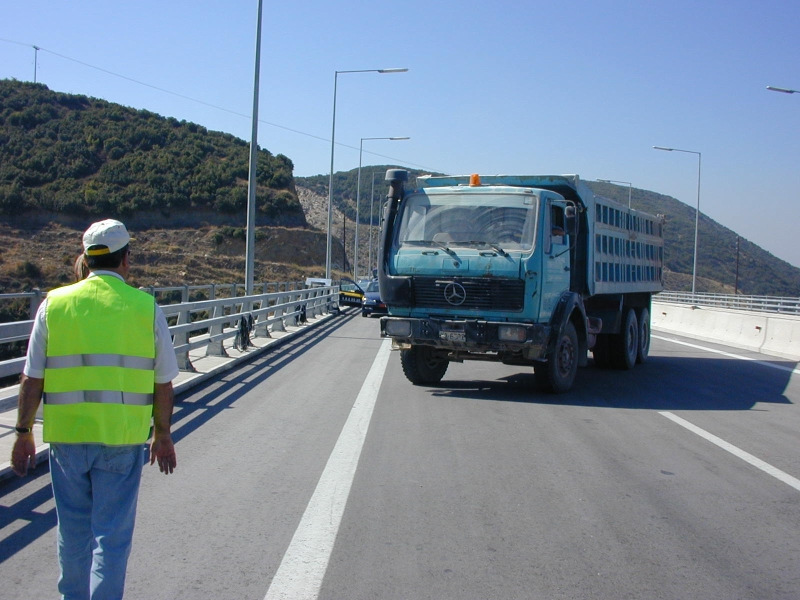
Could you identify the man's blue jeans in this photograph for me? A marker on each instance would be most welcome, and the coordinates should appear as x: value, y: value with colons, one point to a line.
x: 96, y: 489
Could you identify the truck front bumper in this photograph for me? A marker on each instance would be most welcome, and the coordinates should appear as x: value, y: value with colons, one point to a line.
x: 469, y: 336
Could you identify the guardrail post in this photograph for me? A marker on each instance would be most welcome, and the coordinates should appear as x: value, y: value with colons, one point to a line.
x: 293, y: 315
x: 319, y: 303
x: 262, y: 321
x: 36, y: 300
x: 184, y: 364
x: 216, y: 348
x: 279, y: 325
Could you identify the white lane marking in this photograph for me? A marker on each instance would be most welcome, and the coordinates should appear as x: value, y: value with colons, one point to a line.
x: 748, y: 458
x: 300, y: 574
x: 729, y: 355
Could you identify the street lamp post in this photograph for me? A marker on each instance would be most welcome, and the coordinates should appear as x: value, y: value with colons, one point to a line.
x: 697, y: 211
x: 249, y: 268
x: 772, y: 88
x: 371, y: 221
x: 630, y: 187
x: 358, y: 196
x: 333, y: 146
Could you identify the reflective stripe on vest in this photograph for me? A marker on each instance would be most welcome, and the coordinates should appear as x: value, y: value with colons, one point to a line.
x: 101, y: 360
x: 99, y: 396
x: 99, y: 372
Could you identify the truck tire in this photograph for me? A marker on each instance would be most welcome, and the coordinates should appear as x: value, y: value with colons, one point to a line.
x: 625, y: 344
x: 644, y: 336
x: 421, y: 366
x: 558, y: 374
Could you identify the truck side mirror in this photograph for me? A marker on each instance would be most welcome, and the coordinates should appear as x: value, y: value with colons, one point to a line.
x: 571, y: 220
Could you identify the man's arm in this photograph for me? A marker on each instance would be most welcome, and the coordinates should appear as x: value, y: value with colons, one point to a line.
x: 162, y: 447
x: 23, y: 454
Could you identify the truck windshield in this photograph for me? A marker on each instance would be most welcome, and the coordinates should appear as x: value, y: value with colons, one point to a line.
x: 506, y: 221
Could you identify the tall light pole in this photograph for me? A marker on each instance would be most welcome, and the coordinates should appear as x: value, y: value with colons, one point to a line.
x: 333, y: 146
x: 358, y: 196
x: 772, y: 88
x: 630, y: 187
x: 697, y: 212
x: 371, y: 226
x: 251, y: 175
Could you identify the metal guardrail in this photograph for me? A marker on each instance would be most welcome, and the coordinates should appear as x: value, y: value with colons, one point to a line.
x: 204, y: 323
x: 765, y: 304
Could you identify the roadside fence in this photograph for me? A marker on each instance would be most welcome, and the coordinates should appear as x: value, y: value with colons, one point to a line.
x: 203, y: 316
x: 765, y: 304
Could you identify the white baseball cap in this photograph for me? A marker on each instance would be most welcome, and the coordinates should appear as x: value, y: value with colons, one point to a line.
x: 105, y: 237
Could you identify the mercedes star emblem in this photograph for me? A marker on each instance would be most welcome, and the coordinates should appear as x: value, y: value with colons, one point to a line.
x: 455, y: 293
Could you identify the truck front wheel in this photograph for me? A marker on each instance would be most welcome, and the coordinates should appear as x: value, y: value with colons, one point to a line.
x: 558, y: 374
x: 421, y: 366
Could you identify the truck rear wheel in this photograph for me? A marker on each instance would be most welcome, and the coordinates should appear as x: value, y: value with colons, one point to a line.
x: 625, y: 345
x: 558, y: 374
x: 644, y: 336
x: 421, y: 366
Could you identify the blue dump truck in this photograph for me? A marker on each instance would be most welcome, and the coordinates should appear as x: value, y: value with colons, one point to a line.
x: 531, y: 270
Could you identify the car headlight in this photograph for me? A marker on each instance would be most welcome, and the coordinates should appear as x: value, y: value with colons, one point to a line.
x: 511, y: 333
x: 397, y: 328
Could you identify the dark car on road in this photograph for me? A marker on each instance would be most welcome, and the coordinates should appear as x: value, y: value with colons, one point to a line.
x: 373, y: 304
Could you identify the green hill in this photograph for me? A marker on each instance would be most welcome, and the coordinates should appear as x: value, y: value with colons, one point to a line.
x: 62, y: 154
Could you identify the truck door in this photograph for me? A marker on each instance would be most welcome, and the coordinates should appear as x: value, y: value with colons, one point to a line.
x: 556, y: 267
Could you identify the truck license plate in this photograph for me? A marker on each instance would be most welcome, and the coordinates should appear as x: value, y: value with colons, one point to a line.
x: 453, y: 336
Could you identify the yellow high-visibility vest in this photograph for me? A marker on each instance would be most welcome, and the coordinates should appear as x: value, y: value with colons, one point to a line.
x: 100, y: 368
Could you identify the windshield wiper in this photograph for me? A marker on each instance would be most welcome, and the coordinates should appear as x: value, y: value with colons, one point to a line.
x: 444, y: 247
x: 491, y: 245
x: 441, y: 245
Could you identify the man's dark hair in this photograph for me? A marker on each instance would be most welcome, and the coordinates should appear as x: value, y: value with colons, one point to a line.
x: 107, y: 261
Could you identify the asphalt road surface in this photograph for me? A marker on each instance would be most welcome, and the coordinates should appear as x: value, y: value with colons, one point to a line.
x: 319, y: 471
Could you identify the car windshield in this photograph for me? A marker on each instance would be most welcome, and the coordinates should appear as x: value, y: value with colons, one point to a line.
x: 506, y: 221
x: 373, y: 287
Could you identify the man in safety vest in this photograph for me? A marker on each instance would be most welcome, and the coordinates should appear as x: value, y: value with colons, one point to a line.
x: 101, y: 355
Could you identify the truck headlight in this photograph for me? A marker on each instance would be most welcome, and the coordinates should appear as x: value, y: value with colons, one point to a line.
x: 511, y: 333
x: 398, y: 328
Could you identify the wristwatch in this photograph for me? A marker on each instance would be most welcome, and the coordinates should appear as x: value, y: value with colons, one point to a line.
x: 23, y: 429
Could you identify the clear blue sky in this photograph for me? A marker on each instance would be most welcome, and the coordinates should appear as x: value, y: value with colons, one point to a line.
x: 577, y: 86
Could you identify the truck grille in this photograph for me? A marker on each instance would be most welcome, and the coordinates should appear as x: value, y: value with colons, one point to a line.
x: 467, y: 293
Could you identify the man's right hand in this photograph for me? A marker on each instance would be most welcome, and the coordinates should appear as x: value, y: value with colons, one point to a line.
x: 23, y: 454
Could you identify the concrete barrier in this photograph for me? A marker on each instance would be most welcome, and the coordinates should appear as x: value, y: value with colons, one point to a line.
x: 760, y: 332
